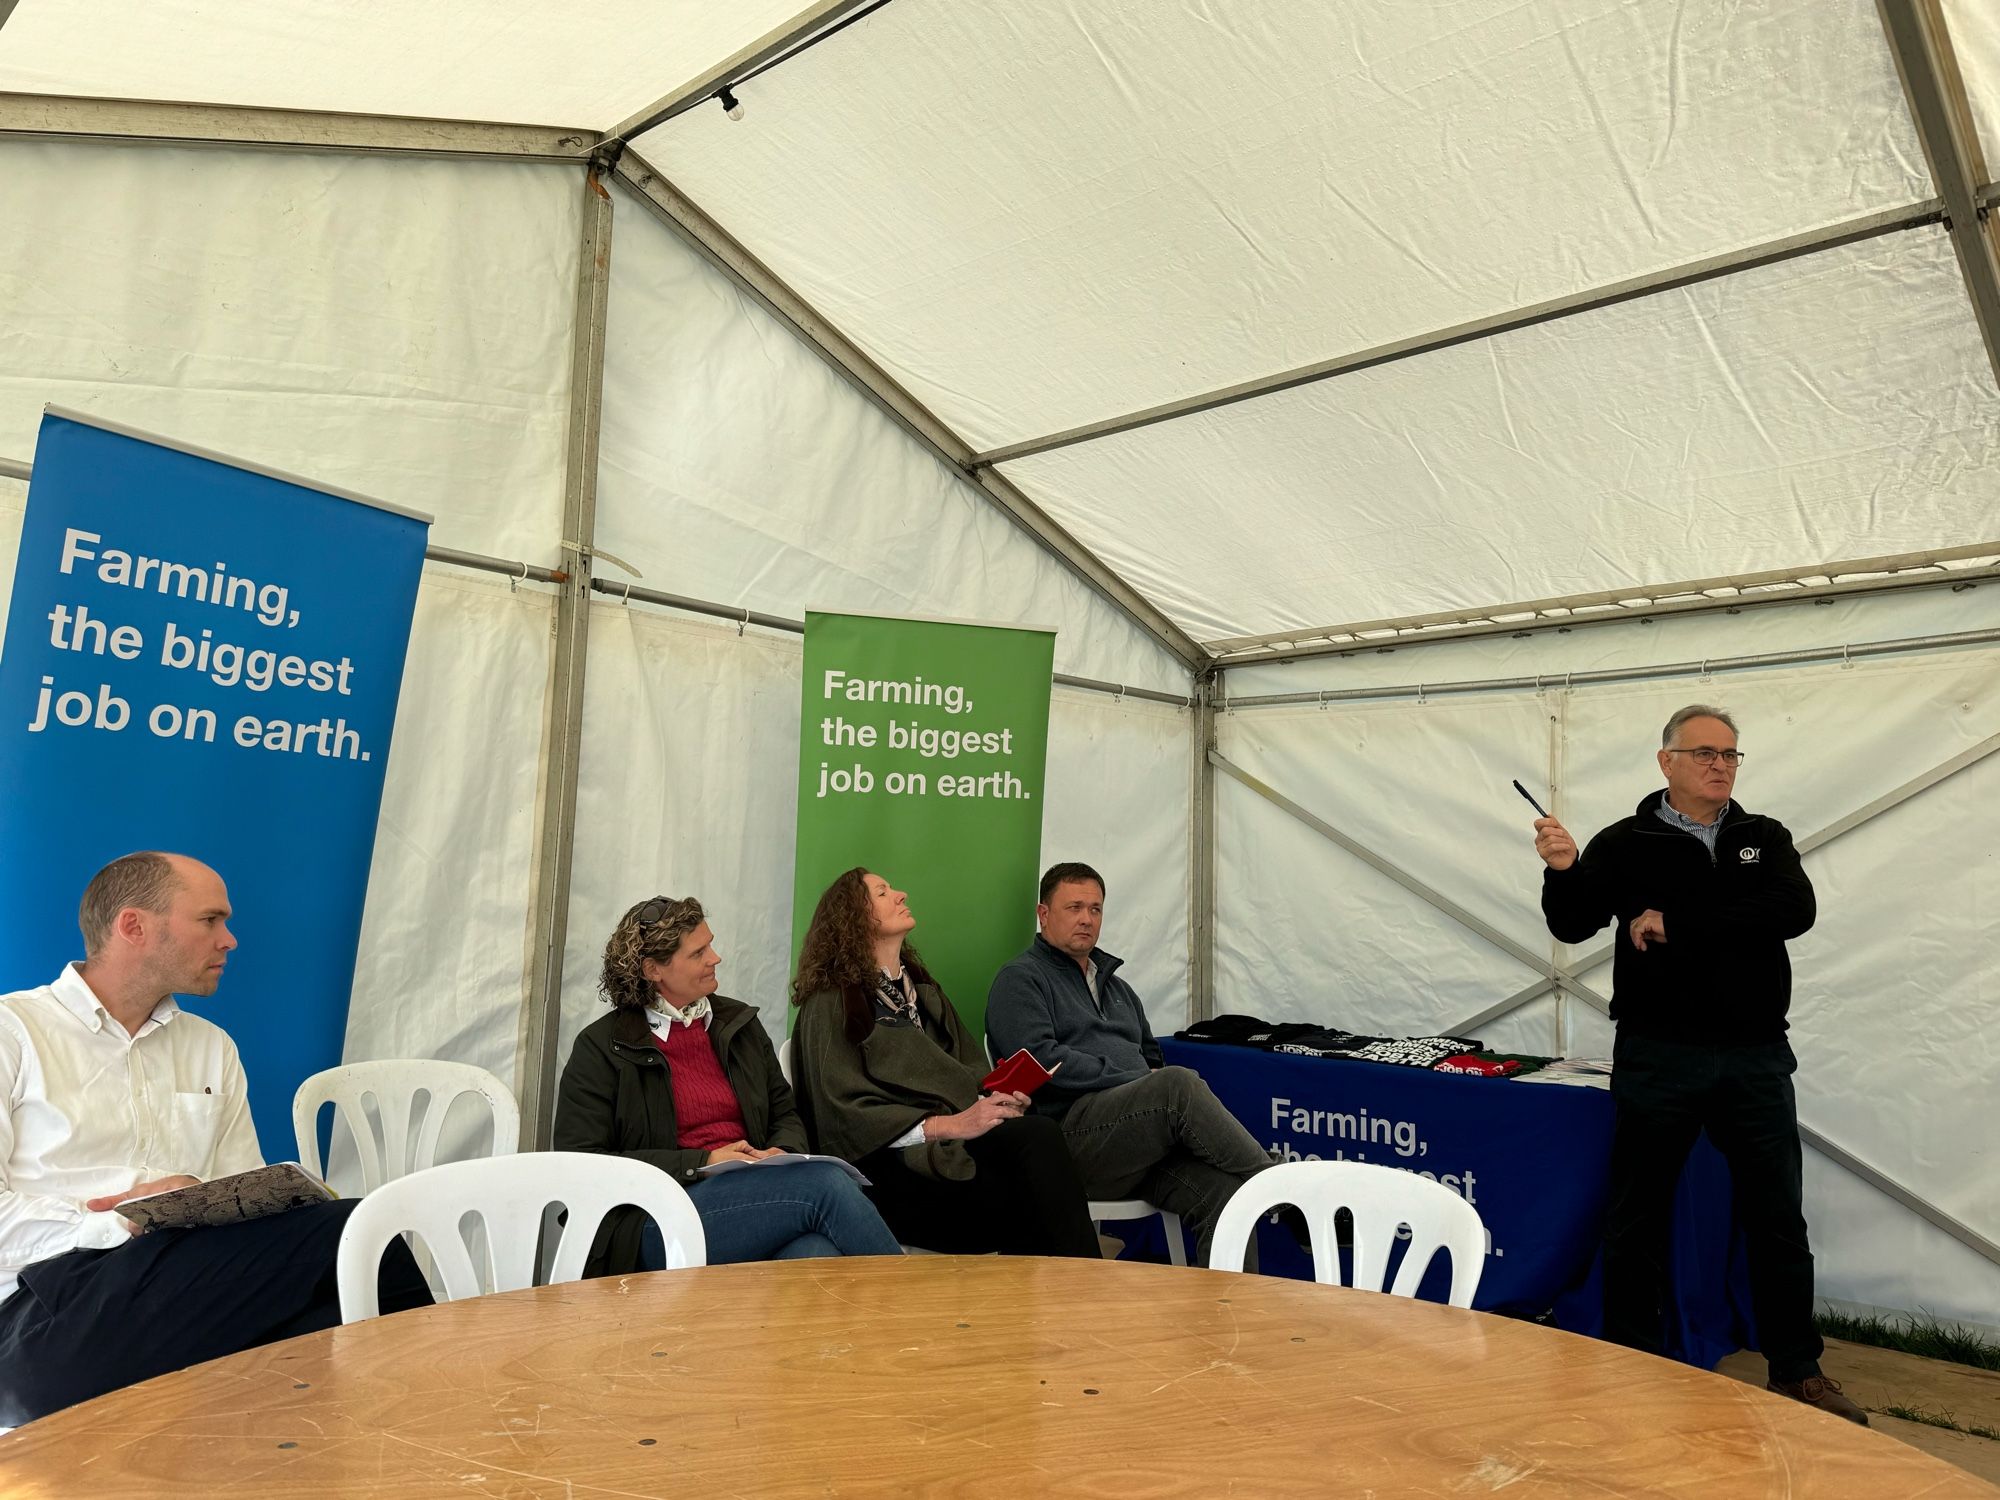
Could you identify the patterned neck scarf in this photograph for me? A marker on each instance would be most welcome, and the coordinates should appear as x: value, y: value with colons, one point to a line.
x: 896, y: 992
x: 663, y: 1016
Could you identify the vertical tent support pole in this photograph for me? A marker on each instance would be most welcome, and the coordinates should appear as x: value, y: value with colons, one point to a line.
x: 541, y: 1016
x: 1201, y: 867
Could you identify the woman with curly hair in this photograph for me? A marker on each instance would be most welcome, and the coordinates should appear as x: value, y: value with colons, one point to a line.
x: 889, y: 1078
x: 685, y: 1079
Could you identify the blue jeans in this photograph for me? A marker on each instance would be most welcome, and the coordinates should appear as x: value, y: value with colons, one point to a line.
x: 779, y: 1213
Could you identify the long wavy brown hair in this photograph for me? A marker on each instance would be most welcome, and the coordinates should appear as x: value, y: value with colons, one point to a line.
x: 839, y: 953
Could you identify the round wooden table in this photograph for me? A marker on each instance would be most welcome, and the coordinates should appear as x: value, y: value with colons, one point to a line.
x: 951, y: 1376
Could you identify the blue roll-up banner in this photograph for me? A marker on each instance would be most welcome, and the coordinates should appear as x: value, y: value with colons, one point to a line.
x: 203, y: 658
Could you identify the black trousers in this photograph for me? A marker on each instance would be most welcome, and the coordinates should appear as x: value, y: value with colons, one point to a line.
x: 1667, y: 1093
x: 1025, y: 1199
x: 92, y: 1321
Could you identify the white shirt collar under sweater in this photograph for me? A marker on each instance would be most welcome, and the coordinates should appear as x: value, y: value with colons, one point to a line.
x: 87, y: 1110
x: 661, y: 1016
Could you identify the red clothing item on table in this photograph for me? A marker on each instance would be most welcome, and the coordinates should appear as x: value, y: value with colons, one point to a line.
x: 706, y: 1113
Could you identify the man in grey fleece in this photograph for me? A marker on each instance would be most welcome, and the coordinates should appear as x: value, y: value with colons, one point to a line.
x: 1134, y: 1128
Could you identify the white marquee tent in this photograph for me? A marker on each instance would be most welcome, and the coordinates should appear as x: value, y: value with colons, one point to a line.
x: 1385, y: 400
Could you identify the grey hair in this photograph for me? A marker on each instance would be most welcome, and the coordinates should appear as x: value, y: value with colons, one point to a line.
x: 1693, y: 711
x: 145, y: 880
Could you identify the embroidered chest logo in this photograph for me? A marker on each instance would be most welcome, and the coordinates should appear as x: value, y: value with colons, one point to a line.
x: 1750, y: 856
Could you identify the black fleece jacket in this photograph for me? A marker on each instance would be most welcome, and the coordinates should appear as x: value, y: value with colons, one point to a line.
x: 617, y: 1097
x: 1722, y: 976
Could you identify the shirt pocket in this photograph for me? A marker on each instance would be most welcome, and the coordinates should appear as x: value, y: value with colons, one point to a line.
x: 197, y: 1123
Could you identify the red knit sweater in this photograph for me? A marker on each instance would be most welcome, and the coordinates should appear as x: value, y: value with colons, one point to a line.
x: 705, y: 1107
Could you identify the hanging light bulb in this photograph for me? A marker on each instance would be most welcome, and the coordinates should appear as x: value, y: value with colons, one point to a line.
x: 731, y: 106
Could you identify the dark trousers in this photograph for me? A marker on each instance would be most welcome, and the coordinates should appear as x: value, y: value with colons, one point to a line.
x: 1667, y: 1093
x: 1167, y: 1138
x: 92, y: 1321
x: 1025, y: 1198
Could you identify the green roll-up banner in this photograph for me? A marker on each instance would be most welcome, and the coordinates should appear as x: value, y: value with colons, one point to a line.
x: 922, y: 745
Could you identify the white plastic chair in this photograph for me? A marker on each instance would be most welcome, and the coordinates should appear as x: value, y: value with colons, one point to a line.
x: 785, y: 1061
x: 509, y: 1194
x: 405, y: 1144
x: 1380, y: 1198
x: 1104, y: 1210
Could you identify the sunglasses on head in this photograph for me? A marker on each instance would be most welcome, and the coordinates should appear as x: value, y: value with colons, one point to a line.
x: 654, y: 910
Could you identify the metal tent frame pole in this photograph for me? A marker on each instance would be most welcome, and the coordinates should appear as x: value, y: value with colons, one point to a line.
x: 478, y: 562
x: 1935, y: 93
x: 1201, y: 863
x: 1969, y: 564
x: 815, y: 18
x: 1771, y: 252
x: 1556, y: 973
x: 56, y: 117
x: 541, y: 1012
x: 1653, y: 672
x: 716, y: 246
x: 617, y: 591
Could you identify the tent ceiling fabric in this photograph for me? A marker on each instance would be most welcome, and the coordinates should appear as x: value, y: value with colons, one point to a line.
x: 1053, y: 212
x: 1975, y: 35
x: 1036, y: 216
x: 1835, y: 406
x: 521, y: 61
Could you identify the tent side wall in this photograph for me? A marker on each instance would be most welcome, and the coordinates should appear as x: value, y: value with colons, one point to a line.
x: 398, y: 327
x: 1895, y: 987
x: 402, y: 327
x: 735, y: 464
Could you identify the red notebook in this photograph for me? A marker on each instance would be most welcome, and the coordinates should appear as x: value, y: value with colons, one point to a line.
x: 1019, y: 1074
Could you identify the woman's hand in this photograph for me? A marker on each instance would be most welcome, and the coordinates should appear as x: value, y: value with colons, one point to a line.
x: 970, y: 1124
x: 736, y: 1151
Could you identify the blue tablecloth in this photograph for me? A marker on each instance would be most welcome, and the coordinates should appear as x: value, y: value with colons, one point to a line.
x: 1532, y: 1158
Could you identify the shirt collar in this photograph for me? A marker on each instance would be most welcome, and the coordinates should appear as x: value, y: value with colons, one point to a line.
x: 81, y: 1001
x: 1683, y: 822
x: 661, y: 1016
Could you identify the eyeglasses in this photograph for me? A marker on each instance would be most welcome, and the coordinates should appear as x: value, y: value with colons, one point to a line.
x: 654, y: 910
x: 1708, y: 755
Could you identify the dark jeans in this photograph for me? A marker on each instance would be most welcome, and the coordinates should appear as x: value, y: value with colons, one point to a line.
x: 92, y: 1321
x: 1165, y: 1138
x: 1025, y: 1198
x: 1667, y: 1093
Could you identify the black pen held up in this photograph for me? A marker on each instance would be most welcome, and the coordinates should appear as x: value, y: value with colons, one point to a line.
x: 1531, y: 799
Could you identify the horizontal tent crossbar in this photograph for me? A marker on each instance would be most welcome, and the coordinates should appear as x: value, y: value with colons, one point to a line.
x: 1538, y: 681
x: 452, y: 556
x: 164, y: 123
x: 1972, y: 563
x: 1771, y: 252
x: 624, y: 593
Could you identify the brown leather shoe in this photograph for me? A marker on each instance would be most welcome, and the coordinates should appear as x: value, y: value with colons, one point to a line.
x: 1818, y: 1390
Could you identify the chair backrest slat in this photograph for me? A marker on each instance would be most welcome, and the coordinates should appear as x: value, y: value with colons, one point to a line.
x: 1381, y: 1200
x: 408, y: 1141
x: 509, y: 1195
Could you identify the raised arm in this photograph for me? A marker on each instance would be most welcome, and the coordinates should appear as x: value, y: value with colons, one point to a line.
x: 1577, y: 895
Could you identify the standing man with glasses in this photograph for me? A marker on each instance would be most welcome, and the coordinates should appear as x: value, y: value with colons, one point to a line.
x: 1705, y: 895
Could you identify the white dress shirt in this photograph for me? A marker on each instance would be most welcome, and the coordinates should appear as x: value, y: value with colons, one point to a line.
x: 88, y: 1109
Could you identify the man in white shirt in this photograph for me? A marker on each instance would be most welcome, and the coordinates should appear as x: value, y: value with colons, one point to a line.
x: 110, y: 1091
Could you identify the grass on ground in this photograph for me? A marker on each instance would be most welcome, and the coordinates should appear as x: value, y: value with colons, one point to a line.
x: 1942, y: 1419
x: 1920, y: 1334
